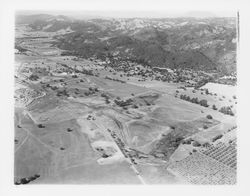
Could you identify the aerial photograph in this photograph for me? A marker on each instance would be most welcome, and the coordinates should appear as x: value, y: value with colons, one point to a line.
x: 104, y: 98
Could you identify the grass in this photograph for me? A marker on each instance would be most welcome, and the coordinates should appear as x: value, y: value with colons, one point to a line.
x: 117, y: 88
x: 41, y: 152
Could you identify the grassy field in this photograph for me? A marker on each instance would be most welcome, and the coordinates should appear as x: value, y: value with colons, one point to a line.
x: 93, y: 173
x: 218, y: 99
x: 60, y: 156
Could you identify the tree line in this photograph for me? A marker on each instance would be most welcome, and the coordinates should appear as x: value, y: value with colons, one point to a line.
x: 202, y: 102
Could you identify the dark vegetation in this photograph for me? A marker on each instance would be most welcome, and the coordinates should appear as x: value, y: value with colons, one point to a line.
x: 26, y: 180
x: 214, y: 107
x: 20, y: 49
x: 117, y: 80
x: 202, y: 102
x: 217, y: 137
x: 196, y: 144
x: 62, y: 93
x: 168, y: 144
x: 106, y: 97
x: 209, y: 116
x: 122, y: 103
x: 40, y: 126
x: 33, y: 77
x: 184, y: 46
x: 226, y: 110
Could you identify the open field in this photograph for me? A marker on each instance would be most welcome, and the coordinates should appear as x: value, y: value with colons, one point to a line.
x: 60, y: 156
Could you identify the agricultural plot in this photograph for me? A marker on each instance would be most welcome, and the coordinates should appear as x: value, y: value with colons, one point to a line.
x: 225, y: 154
x: 200, y: 169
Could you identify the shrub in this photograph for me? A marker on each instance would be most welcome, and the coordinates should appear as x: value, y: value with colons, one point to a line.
x: 206, y: 144
x: 217, y: 137
x: 135, y: 106
x: 41, y: 126
x: 226, y: 110
x: 33, y: 77
x: 203, y: 102
x: 196, y: 144
x: 214, y: 107
x: 209, y: 116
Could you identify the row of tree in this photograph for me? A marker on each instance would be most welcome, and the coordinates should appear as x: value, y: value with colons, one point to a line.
x: 226, y: 110
x: 106, y: 97
x: 122, y: 103
x: 117, y: 80
x: 27, y: 180
x: 202, y: 102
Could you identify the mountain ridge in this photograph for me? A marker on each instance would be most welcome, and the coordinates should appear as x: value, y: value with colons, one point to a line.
x: 196, y: 43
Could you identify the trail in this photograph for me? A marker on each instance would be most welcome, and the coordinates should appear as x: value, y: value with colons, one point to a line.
x: 41, y: 142
x: 20, y: 145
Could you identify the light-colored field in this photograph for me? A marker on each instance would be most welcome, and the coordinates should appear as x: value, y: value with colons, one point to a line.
x: 165, y: 87
x: 94, y: 173
x: 172, y: 110
x: 117, y: 88
x: 41, y: 153
x: 219, y: 100
x: 221, y: 89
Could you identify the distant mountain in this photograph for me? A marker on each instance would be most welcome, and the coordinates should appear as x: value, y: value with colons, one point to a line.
x: 40, y: 19
x: 196, y: 43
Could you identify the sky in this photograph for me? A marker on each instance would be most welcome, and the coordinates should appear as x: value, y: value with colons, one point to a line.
x: 132, y: 14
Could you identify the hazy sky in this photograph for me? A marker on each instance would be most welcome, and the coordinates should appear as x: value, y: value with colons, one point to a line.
x: 141, y: 14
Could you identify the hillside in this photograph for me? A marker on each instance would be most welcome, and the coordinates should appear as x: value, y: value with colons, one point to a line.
x: 201, y: 44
